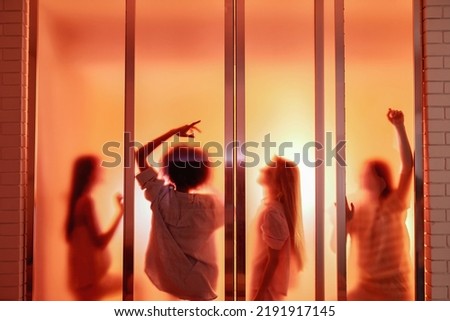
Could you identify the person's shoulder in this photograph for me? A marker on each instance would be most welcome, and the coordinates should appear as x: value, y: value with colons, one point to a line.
x: 273, y: 206
x: 86, y: 200
x: 394, y: 202
x: 273, y: 209
x: 207, y: 200
x: 84, y: 205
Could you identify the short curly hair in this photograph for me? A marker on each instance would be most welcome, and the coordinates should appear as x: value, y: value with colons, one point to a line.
x: 187, y: 167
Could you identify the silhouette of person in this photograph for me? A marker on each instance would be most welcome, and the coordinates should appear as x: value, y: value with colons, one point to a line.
x: 89, y: 258
x: 376, y: 225
x: 279, y: 249
x: 181, y: 253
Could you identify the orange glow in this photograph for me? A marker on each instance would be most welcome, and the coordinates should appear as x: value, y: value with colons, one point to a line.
x: 179, y: 79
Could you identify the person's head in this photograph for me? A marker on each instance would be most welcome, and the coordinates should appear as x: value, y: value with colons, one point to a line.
x: 85, y: 174
x: 186, y: 167
x: 376, y: 178
x: 281, y: 179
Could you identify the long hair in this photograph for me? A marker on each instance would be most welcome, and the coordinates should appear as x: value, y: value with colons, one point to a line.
x: 287, y: 184
x: 83, y: 170
x: 381, y: 169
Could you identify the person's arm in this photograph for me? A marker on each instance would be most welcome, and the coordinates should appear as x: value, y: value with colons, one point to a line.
x: 269, y: 271
x: 143, y: 152
x: 349, y: 213
x: 397, y: 119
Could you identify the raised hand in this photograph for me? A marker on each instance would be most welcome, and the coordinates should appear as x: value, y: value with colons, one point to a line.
x: 188, y: 130
x: 119, y: 202
x: 349, y: 210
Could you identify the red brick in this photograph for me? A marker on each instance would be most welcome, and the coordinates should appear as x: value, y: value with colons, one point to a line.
x: 10, y: 166
x: 438, y: 266
x: 437, y: 49
x: 10, y: 141
x: 11, y: 241
x: 432, y: 12
x: 436, y: 164
x: 440, y: 279
x: 439, y: 292
x: 9, y: 255
x: 11, y: 216
x: 440, y: 228
x: 427, y: 3
x: 447, y: 87
x: 14, y: 116
x: 436, y: 24
x: 12, y: 54
x: 434, y: 37
x: 11, y: 66
x: 10, y: 91
x: 11, y: 279
x: 435, y: 87
x: 13, y: 29
x: 438, y: 74
x: 434, y: 190
x: 447, y: 62
x: 447, y: 12
x: 438, y: 241
x: 13, y: 293
x: 11, y: 204
x: 13, y: 230
x: 438, y: 125
x: 436, y: 139
x: 447, y: 36
x: 10, y: 191
x: 435, y: 111
x: 13, y: 78
x: 14, y: 5
x: 10, y: 179
x: 10, y: 129
x: 10, y: 41
x: 11, y: 267
x: 12, y: 153
x: 11, y: 16
x: 10, y: 103
x: 439, y: 151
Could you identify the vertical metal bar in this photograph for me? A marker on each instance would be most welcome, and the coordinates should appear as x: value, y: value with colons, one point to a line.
x: 31, y: 146
x: 229, y: 154
x: 128, y: 231
x: 240, y: 135
x: 418, y: 159
x: 340, y: 137
x: 320, y: 139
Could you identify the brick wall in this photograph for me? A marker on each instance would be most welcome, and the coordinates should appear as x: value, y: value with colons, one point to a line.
x: 13, y: 86
x: 436, y: 25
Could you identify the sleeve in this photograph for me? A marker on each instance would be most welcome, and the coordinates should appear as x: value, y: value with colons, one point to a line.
x: 394, y: 204
x: 275, y: 230
x: 148, y: 181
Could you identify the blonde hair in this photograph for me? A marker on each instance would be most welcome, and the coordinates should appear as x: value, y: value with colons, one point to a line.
x: 286, y: 185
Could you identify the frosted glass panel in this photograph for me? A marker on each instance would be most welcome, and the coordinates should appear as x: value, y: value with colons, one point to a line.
x: 79, y: 112
x: 279, y: 70
x: 179, y: 79
x: 379, y: 75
